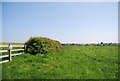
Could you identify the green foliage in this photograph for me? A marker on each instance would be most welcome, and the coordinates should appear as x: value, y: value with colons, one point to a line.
x: 42, y: 45
x: 74, y: 62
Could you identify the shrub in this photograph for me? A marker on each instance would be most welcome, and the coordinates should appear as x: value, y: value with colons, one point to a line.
x: 42, y: 45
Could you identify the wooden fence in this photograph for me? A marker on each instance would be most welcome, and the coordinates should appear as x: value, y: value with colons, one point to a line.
x: 10, y: 49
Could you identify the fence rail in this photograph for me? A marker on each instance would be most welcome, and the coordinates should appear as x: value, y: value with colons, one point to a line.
x: 10, y: 49
x: 3, y: 50
x: 12, y: 45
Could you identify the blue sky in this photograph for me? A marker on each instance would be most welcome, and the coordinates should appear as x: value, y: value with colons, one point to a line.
x: 0, y: 21
x: 78, y: 22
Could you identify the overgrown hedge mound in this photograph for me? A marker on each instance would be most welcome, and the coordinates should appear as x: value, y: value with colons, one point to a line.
x: 42, y: 45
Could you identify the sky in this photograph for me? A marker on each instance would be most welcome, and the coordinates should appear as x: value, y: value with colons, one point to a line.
x: 60, y: 0
x: 0, y: 21
x: 67, y: 22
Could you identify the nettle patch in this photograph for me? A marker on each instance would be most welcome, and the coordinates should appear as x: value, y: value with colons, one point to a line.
x: 42, y: 45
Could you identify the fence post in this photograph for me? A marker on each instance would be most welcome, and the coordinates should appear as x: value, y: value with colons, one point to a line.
x: 24, y: 48
x: 9, y: 50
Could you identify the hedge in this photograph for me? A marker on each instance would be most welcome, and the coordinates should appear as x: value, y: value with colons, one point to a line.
x: 42, y: 45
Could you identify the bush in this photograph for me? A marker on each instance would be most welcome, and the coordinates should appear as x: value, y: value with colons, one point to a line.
x: 42, y: 45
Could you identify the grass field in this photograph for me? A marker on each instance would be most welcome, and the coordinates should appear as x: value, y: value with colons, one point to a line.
x: 12, y: 43
x: 73, y: 62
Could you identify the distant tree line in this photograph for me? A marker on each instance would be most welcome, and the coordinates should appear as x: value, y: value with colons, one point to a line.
x: 92, y: 44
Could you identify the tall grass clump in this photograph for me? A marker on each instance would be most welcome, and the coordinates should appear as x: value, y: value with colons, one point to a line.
x: 42, y: 45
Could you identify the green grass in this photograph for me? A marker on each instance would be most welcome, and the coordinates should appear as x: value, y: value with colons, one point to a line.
x: 12, y: 43
x: 73, y: 62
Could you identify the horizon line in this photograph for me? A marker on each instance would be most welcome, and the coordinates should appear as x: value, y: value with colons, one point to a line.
x: 69, y: 42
